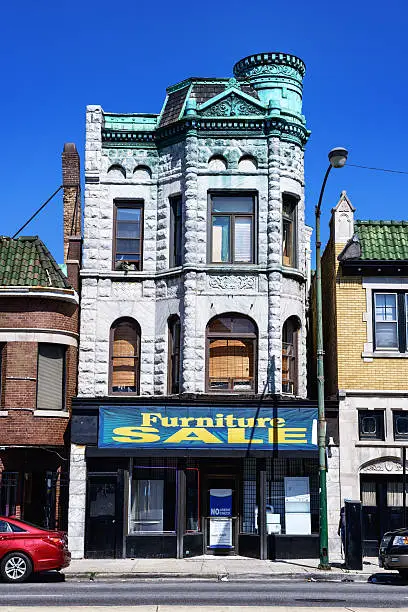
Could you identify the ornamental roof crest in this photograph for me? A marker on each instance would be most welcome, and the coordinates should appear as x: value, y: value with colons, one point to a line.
x: 232, y: 103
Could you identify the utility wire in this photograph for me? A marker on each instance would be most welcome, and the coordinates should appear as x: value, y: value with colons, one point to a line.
x: 378, y: 169
x: 37, y: 211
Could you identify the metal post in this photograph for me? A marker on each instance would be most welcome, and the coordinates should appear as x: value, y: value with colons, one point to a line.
x: 261, y: 473
x: 323, y: 531
x: 404, y: 483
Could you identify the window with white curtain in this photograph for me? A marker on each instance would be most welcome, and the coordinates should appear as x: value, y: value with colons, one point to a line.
x: 368, y: 493
x: 232, y: 228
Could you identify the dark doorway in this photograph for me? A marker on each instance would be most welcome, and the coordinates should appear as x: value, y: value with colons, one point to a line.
x: 382, y: 501
x: 104, y: 522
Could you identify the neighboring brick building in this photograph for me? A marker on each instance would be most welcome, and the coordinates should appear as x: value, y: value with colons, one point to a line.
x: 194, y: 295
x: 39, y: 319
x: 365, y: 315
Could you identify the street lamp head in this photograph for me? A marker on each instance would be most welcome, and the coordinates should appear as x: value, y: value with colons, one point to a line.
x: 338, y: 157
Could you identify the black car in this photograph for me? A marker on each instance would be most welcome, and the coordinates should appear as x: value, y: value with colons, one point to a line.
x: 393, y: 553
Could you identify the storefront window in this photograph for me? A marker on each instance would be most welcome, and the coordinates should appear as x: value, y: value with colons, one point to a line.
x: 192, y: 500
x: 153, y: 499
x: 292, y: 496
x: 250, y: 509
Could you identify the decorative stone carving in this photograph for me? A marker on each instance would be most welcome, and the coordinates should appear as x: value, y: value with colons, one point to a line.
x: 232, y: 106
x: 383, y: 465
x: 274, y: 69
x: 126, y: 291
x: 232, y: 283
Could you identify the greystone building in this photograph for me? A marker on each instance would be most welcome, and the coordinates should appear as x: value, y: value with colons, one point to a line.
x: 192, y: 431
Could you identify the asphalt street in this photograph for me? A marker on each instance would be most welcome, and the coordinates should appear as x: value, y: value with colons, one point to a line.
x: 211, y: 593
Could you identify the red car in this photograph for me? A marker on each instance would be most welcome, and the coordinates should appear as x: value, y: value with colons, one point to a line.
x: 25, y: 548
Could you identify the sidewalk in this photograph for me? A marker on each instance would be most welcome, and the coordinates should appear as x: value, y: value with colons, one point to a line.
x: 218, y: 568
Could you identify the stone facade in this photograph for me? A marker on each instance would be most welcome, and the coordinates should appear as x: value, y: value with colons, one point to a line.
x: 249, y: 152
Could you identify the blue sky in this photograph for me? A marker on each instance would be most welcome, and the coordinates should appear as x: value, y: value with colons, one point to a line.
x: 58, y: 57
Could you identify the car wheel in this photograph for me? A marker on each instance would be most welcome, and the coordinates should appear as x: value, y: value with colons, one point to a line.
x: 16, y: 567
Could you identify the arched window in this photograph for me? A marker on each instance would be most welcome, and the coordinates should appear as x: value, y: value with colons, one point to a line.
x: 125, y: 352
x: 231, y: 354
x: 290, y: 341
x: 174, y: 355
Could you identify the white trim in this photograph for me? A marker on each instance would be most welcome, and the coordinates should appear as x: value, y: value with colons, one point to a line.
x: 372, y: 284
x: 3, y: 413
x: 347, y: 392
x: 52, y: 336
x: 384, y: 355
x: 51, y: 413
x: 65, y: 295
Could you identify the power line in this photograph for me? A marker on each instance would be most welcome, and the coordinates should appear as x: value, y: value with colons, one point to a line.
x: 379, y: 169
x: 37, y: 211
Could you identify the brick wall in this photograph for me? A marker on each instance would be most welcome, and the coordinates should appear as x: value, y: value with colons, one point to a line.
x: 38, y: 313
x: 344, y: 324
x: 19, y: 371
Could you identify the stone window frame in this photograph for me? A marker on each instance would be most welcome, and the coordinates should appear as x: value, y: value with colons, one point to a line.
x: 173, y: 355
x: 293, y: 220
x: 138, y: 333
x: 374, y: 285
x: 379, y: 416
x: 176, y: 231
x: 233, y: 336
x: 127, y: 203
x: 397, y: 414
x: 253, y: 193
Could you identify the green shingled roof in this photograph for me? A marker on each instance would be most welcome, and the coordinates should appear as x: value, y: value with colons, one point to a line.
x: 26, y: 261
x: 383, y: 240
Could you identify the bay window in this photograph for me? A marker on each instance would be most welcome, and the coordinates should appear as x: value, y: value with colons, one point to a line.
x: 231, y: 350
x: 128, y: 235
x: 232, y: 228
x: 125, y: 349
x: 289, y: 204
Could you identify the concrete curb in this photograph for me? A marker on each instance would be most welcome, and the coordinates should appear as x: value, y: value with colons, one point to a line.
x: 221, y: 577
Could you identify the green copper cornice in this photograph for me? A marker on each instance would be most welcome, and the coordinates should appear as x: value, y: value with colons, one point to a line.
x: 277, y: 78
x: 275, y: 59
x: 130, y: 122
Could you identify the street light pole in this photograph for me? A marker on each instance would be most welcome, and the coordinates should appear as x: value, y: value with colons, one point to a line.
x: 337, y: 159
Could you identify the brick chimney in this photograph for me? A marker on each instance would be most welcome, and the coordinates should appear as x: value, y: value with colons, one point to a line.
x: 72, y: 212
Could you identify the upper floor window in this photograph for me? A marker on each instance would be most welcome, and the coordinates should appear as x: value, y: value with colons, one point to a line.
x: 125, y: 350
x: 1, y: 372
x: 128, y: 235
x: 231, y: 353
x: 289, y: 207
x: 174, y: 355
x: 371, y: 424
x: 390, y: 320
x: 400, y: 418
x: 290, y: 332
x: 51, y: 377
x: 232, y: 228
x: 176, y: 232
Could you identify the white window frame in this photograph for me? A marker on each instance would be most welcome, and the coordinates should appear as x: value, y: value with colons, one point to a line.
x: 385, y: 348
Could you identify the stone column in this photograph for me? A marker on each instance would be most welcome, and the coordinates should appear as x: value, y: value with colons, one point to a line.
x: 190, y: 257
x: 77, y: 501
x: 333, y: 501
x: 274, y: 240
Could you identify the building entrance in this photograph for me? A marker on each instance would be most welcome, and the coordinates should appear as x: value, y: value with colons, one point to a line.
x: 382, y: 501
x: 221, y: 508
